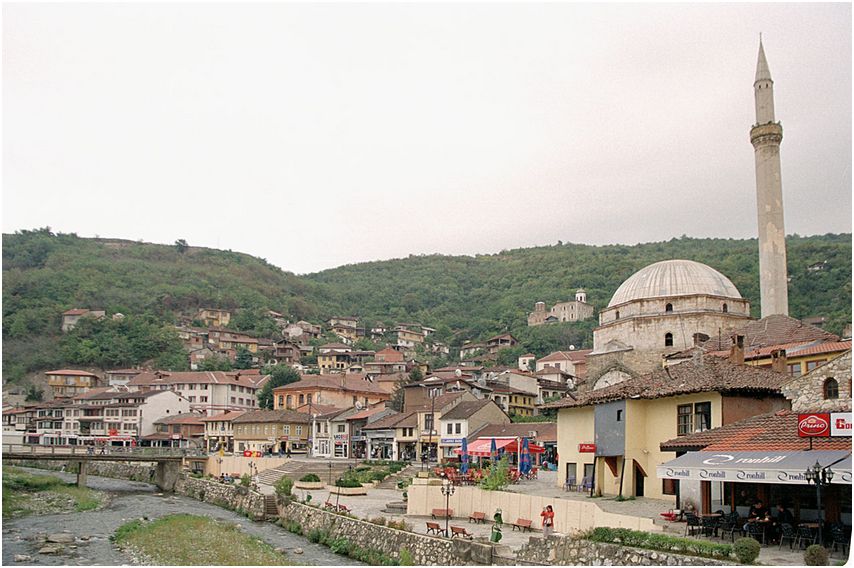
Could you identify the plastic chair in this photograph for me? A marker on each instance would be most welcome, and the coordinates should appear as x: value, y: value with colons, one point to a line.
x: 787, y: 531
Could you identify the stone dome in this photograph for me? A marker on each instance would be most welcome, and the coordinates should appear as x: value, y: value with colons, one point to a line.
x: 674, y: 278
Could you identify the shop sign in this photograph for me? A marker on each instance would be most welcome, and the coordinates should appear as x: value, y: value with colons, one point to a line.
x: 357, y: 438
x: 176, y: 436
x: 840, y: 424
x: 587, y: 448
x: 451, y: 441
x: 812, y: 425
x: 342, y: 437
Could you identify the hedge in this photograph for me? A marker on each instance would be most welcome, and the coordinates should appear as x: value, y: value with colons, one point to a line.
x: 662, y: 542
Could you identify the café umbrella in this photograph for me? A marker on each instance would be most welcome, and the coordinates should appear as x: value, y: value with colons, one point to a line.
x: 493, y: 451
x: 464, y: 457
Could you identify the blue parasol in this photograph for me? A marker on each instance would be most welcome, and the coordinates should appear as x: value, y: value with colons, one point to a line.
x: 464, y: 457
x: 493, y: 451
x: 524, y: 458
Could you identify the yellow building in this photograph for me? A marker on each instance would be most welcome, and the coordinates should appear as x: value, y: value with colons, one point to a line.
x: 68, y: 382
x: 612, y: 435
x: 214, y: 317
x: 271, y: 430
x: 514, y: 401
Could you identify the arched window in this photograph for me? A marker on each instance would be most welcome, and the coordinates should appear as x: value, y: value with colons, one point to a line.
x: 668, y: 308
x: 668, y: 339
x: 302, y: 399
x: 831, y: 389
x: 290, y: 401
x: 617, y: 315
x: 725, y: 308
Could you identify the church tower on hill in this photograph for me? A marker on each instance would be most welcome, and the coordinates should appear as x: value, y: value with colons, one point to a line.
x: 766, y: 136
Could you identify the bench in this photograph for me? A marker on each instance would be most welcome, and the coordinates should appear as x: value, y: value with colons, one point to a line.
x: 462, y: 532
x: 522, y: 524
x: 434, y: 528
x: 442, y: 513
x: 477, y: 517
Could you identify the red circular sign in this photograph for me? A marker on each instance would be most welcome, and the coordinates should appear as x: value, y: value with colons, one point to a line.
x: 247, y: 453
x: 813, y: 425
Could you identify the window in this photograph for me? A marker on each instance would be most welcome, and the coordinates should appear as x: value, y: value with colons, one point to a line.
x: 619, y: 416
x: 301, y: 399
x: 831, y: 389
x: 795, y: 369
x: 812, y: 365
x: 683, y: 419
x: 290, y: 401
x: 299, y: 430
x: 702, y: 416
x: 668, y: 486
x: 354, y: 401
x: 668, y: 308
x: 340, y: 428
x: 203, y: 399
x: 281, y: 400
x: 724, y: 308
x: 668, y: 339
x: 428, y: 422
x: 617, y: 315
x: 451, y: 427
x: 286, y: 429
x: 308, y: 398
x: 459, y: 428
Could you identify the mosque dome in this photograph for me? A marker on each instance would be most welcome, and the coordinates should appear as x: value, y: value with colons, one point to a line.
x: 674, y: 278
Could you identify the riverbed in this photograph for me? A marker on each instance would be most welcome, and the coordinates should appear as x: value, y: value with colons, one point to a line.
x: 129, y: 500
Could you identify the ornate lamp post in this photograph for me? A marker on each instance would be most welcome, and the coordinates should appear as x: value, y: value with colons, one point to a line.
x: 330, y: 472
x: 820, y: 476
x: 447, y: 491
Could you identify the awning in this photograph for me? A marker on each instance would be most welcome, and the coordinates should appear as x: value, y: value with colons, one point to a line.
x: 480, y: 447
x: 785, y: 466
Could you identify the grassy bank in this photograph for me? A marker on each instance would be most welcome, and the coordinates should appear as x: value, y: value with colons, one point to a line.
x: 190, y: 540
x: 26, y: 493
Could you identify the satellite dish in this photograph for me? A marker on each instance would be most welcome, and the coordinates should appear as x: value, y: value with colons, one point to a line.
x: 358, y: 405
x: 572, y: 347
x: 458, y: 373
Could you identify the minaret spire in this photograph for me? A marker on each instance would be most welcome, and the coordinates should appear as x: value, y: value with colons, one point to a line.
x: 766, y: 136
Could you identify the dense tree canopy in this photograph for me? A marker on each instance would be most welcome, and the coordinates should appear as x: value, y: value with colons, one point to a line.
x: 280, y: 375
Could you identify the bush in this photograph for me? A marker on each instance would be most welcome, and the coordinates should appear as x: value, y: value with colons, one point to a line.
x: 657, y: 541
x: 362, y: 468
x: 378, y: 521
x: 816, y: 555
x: 379, y: 474
x: 284, y: 486
x: 317, y: 535
x: 294, y: 527
x: 406, y: 558
x: 498, y: 476
x: 347, y: 482
x: 245, y: 480
x: 340, y: 546
x: 746, y: 550
x: 310, y: 478
x: 400, y: 525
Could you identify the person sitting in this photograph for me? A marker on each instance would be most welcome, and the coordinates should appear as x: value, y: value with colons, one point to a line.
x: 784, y: 515
x: 757, y: 513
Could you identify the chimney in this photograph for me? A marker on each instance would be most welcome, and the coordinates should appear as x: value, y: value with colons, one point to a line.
x: 697, y: 356
x: 736, y: 352
x: 778, y: 361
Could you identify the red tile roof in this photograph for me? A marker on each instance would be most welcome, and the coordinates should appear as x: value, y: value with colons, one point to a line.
x: 546, y: 431
x: 147, y: 378
x: 75, y: 312
x: 225, y: 416
x: 765, y: 432
x: 354, y: 382
x: 566, y: 356
x: 71, y: 372
x: 796, y: 349
x: 280, y: 416
x: 712, y: 374
x: 771, y: 330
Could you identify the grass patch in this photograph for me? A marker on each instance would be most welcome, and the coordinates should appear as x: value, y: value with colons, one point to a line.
x: 26, y: 493
x: 191, y: 540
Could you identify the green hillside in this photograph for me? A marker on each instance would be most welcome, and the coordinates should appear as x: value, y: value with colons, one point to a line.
x: 462, y: 297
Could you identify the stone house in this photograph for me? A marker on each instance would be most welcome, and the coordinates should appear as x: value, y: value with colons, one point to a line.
x: 824, y: 389
x: 272, y: 431
x: 72, y: 316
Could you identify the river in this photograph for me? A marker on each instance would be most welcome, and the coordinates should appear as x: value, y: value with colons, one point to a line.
x: 132, y: 500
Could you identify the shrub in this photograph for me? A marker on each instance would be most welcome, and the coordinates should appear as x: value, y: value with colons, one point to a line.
x: 406, y: 558
x: 816, y: 555
x: 657, y: 541
x: 340, y: 546
x: 362, y: 468
x: 310, y: 477
x: 347, y: 482
x: 379, y: 474
x: 746, y: 550
x: 294, y: 527
x: 400, y: 525
x: 245, y: 480
x: 317, y: 535
x: 284, y: 486
x: 378, y: 521
x: 498, y: 476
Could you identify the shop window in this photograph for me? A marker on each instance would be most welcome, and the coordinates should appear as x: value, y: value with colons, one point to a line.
x: 668, y: 339
x: 831, y: 389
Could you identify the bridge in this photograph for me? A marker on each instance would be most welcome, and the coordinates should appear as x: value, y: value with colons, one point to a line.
x: 168, y: 460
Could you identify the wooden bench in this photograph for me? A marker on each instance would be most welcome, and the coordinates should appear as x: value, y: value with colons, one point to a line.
x: 434, y: 528
x: 462, y: 532
x: 477, y: 517
x: 522, y: 524
x: 442, y: 513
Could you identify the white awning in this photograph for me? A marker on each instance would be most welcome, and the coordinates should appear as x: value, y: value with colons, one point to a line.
x: 787, y: 466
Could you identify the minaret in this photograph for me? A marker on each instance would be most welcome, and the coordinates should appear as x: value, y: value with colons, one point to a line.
x: 765, y: 137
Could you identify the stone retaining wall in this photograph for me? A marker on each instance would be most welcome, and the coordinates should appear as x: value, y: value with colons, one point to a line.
x: 568, y: 551
x: 425, y: 550
x: 233, y: 497
x: 117, y: 470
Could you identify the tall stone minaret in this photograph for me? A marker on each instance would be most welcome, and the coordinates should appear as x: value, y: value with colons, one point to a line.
x: 765, y: 137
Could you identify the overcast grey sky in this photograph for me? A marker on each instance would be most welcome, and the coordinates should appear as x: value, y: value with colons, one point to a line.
x: 315, y: 135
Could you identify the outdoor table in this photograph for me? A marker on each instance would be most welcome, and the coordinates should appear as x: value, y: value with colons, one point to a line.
x: 710, y: 515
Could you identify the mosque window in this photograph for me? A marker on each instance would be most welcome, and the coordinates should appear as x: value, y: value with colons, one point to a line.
x: 831, y: 389
x: 725, y: 308
x: 668, y: 308
x: 617, y: 315
x: 668, y: 340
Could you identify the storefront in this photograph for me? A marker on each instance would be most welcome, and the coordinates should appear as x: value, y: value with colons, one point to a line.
x: 342, y: 447
x: 733, y: 481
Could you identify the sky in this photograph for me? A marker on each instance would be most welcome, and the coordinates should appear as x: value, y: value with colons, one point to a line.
x: 316, y: 135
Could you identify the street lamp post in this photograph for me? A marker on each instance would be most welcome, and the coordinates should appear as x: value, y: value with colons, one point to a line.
x: 432, y: 426
x: 820, y: 476
x: 447, y: 491
x: 330, y: 472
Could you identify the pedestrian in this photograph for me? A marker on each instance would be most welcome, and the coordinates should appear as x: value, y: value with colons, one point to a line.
x: 288, y: 453
x: 548, y: 516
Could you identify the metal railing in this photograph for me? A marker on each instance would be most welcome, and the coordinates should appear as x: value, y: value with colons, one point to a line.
x: 114, y: 451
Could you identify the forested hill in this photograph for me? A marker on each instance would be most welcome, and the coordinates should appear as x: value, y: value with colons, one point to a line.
x: 462, y: 297
x: 490, y: 293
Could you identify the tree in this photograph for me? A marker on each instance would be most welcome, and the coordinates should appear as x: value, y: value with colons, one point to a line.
x: 181, y: 246
x: 280, y: 375
x: 216, y: 363
x: 34, y: 394
x: 243, y: 359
